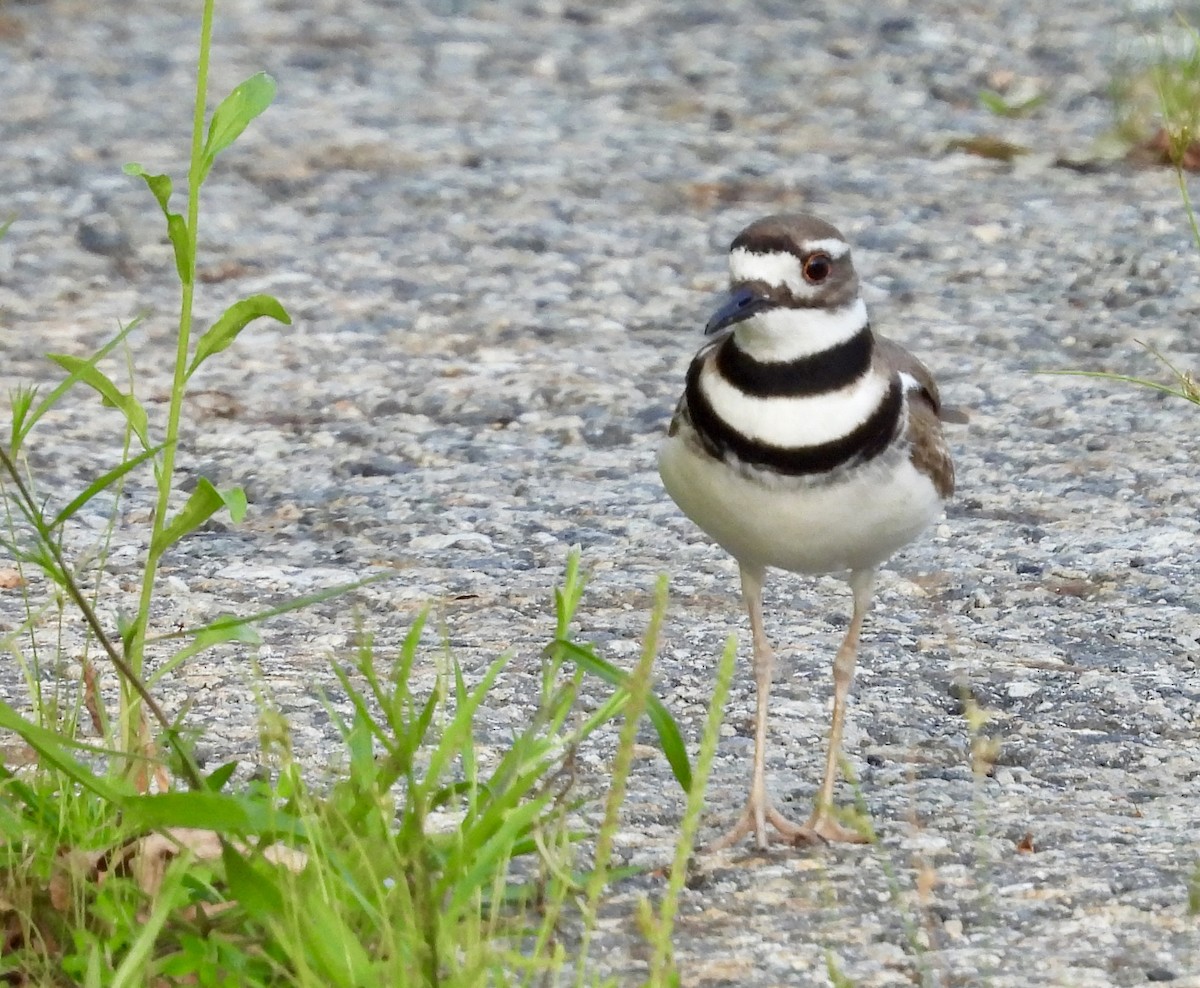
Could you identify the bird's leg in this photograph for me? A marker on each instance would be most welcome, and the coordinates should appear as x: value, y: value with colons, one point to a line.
x: 759, y: 811
x: 822, y: 825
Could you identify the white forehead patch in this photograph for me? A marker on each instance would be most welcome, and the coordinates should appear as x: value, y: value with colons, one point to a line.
x: 831, y: 245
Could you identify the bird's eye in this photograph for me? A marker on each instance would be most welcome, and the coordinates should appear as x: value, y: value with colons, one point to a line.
x: 817, y: 267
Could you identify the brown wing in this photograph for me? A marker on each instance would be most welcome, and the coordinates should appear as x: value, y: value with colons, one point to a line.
x: 930, y: 454
x: 906, y: 363
x: 680, y: 418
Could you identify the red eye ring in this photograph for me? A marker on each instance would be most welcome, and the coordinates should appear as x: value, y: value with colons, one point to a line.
x: 817, y: 267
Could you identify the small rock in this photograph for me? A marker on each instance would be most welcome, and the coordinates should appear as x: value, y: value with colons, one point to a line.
x: 376, y: 466
x: 1022, y: 689
x: 100, y: 233
x: 454, y: 540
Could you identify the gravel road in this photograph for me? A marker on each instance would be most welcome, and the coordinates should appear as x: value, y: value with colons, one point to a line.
x: 498, y: 227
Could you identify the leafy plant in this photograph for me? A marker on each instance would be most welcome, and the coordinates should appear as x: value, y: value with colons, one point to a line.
x: 144, y: 444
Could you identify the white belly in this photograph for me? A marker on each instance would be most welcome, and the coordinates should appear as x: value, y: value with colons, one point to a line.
x: 856, y: 522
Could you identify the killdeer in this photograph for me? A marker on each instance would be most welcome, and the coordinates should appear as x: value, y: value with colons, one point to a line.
x: 805, y: 442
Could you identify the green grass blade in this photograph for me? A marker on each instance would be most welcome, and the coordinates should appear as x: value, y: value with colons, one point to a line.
x: 48, y: 744
x: 296, y: 604
x: 1123, y: 378
x: 334, y: 946
x: 21, y: 429
x: 639, y: 693
x: 41, y: 809
x: 662, y: 967
x: 91, y: 375
x: 492, y: 854
x: 459, y: 729
x: 99, y: 484
x: 670, y: 738
x: 132, y: 972
x: 206, y: 638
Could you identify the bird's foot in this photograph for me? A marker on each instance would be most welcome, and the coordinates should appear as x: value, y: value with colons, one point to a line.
x: 755, y: 819
x: 821, y: 828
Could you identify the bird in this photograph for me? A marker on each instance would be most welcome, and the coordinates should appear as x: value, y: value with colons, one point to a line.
x: 804, y: 441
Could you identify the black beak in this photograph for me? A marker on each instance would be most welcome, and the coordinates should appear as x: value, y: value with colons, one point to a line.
x: 741, y: 303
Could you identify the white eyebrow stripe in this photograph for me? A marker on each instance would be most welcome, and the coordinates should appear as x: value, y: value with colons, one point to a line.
x: 775, y: 268
x: 830, y: 245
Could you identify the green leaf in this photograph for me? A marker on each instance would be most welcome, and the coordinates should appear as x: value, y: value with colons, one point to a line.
x: 87, y: 372
x: 177, y: 232
x: 160, y: 185
x: 225, y: 330
x: 244, y: 816
x: 99, y: 484
x: 234, y: 114
x: 255, y: 889
x: 216, y: 779
x: 335, y: 947
x: 204, y: 502
x: 669, y: 736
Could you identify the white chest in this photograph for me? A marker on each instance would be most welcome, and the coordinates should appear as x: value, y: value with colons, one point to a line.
x: 855, y: 522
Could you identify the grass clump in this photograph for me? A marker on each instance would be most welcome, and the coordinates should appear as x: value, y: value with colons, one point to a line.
x: 1157, y: 105
x: 417, y: 866
x: 420, y: 863
x: 1157, y: 109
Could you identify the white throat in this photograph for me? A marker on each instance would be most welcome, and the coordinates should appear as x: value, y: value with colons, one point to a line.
x: 789, y: 334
